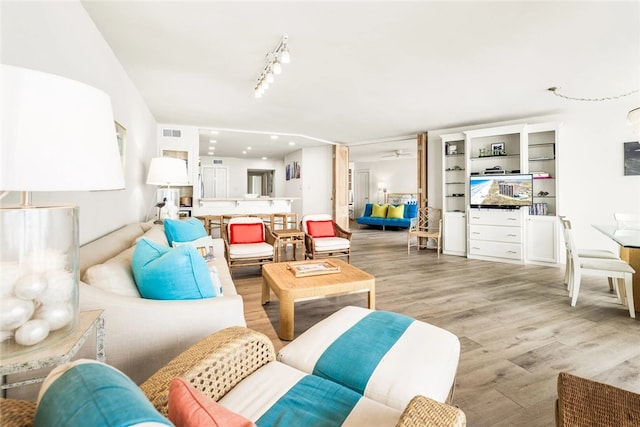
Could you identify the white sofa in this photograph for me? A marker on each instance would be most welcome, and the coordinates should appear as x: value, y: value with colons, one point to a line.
x: 142, y: 335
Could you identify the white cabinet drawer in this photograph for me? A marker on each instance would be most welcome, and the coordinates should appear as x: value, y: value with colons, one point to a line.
x: 498, y: 234
x: 496, y: 217
x: 495, y: 249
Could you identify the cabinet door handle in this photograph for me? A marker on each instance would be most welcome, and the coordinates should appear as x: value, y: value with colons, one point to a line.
x: 475, y: 217
x: 475, y: 232
x: 512, y: 252
x: 512, y: 219
x: 512, y: 235
x: 475, y: 247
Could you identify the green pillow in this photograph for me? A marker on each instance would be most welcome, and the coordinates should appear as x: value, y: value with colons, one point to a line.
x: 395, y: 211
x: 379, y: 211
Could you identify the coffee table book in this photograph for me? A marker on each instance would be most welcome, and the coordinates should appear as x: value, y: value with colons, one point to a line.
x: 312, y: 268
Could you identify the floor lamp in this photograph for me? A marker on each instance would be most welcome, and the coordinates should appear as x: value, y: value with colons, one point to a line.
x: 168, y: 171
x: 57, y: 135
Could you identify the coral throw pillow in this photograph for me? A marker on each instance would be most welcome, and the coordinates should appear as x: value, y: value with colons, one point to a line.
x: 321, y: 228
x: 395, y: 212
x: 379, y: 211
x: 189, y: 407
x: 246, y: 233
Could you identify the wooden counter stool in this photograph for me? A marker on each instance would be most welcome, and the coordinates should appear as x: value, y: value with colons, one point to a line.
x: 211, y: 222
x: 284, y: 220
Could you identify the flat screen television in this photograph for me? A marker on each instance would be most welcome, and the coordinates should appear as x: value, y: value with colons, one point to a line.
x: 501, y: 191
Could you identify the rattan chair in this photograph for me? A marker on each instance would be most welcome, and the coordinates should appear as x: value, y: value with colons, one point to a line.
x: 337, y: 243
x: 216, y: 364
x: 585, y: 403
x: 242, y: 253
x: 427, y: 225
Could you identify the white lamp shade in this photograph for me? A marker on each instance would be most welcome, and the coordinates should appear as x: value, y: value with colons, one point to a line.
x: 167, y: 171
x: 57, y: 135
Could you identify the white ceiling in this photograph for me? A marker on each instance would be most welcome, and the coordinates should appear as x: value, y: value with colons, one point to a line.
x: 367, y: 71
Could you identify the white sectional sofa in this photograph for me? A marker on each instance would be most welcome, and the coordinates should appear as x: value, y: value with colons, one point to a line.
x: 142, y: 335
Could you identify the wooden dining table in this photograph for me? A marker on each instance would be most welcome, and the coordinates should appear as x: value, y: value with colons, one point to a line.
x: 629, y: 241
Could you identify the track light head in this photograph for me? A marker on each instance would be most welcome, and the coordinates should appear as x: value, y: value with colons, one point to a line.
x: 277, y: 68
x: 284, y: 56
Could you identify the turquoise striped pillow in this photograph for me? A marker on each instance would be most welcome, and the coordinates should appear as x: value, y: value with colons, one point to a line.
x: 88, y: 393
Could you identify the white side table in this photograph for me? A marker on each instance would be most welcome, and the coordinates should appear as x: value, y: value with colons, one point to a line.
x: 58, y: 353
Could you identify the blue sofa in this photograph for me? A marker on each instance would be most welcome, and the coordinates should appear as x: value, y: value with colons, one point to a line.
x: 410, y: 211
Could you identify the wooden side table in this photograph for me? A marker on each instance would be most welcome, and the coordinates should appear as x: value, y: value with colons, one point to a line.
x: 289, y: 236
x: 58, y: 353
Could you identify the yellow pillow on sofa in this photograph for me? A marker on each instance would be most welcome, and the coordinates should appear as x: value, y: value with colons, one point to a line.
x: 395, y: 211
x: 379, y: 211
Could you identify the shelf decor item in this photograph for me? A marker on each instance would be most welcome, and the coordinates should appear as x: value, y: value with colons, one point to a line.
x: 57, y: 135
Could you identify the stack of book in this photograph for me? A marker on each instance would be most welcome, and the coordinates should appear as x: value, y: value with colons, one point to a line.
x: 539, y: 209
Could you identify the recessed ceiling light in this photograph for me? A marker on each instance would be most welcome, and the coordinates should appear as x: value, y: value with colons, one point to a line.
x: 212, y: 141
x: 214, y: 132
x: 211, y: 153
x: 264, y: 158
x: 248, y: 148
x: 292, y: 143
x: 274, y: 136
x: 244, y: 151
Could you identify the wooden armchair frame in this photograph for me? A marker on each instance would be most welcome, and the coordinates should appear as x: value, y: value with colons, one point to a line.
x: 427, y: 225
x: 269, y: 238
x: 312, y: 252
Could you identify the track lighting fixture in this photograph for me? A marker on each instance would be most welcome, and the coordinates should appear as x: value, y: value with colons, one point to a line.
x: 280, y: 55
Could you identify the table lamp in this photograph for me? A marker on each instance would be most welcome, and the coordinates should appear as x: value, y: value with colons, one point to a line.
x: 168, y: 171
x: 57, y: 135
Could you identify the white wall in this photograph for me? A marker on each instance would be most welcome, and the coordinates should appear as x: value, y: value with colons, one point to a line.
x: 399, y: 176
x: 59, y: 38
x: 237, y: 173
x: 592, y: 185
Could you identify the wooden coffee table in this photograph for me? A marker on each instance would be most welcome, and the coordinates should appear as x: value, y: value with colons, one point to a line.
x: 290, y: 289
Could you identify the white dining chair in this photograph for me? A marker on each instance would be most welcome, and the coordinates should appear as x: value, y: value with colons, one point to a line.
x: 583, y: 253
x: 614, y: 269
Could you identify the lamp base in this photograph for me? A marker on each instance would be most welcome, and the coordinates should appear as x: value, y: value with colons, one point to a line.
x: 38, y: 277
x: 171, y: 196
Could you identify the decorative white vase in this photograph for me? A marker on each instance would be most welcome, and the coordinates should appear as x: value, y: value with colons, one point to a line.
x: 38, y: 277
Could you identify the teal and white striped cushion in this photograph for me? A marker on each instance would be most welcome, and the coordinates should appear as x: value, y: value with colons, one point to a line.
x: 410, y: 357
x: 278, y: 395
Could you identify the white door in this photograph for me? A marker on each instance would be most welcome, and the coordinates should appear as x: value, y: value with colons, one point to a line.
x: 214, y: 181
x: 361, y: 192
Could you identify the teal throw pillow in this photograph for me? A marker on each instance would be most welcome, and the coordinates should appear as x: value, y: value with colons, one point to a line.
x: 183, y: 230
x: 93, y: 394
x: 166, y: 273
